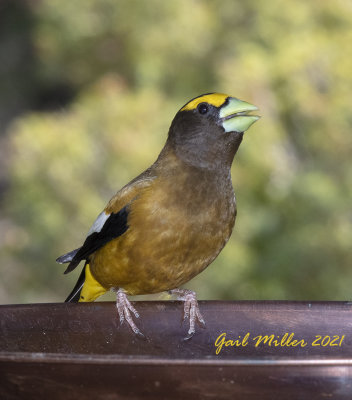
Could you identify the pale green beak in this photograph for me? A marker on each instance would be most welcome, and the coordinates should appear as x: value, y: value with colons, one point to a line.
x: 234, y: 115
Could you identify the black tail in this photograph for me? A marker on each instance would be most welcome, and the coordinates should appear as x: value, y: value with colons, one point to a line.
x: 76, y: 292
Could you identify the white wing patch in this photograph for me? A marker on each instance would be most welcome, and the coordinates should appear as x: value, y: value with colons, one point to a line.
x: 98, y: 223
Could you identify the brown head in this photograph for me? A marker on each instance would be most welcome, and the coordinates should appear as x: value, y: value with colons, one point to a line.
x: 208, y: 130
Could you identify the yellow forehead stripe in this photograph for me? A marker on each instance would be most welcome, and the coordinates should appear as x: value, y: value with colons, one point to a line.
x: 215, y: 99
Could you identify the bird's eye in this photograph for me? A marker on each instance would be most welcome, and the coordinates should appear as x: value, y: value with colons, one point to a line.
x: 203, y: 108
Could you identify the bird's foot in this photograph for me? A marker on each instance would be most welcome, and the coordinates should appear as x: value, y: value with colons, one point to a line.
x: 190, y: 310
x: 124, y: 308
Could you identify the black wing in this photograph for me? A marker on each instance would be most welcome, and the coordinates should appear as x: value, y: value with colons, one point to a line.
x: 114, y: 226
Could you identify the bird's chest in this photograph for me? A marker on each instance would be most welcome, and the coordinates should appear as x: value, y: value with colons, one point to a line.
x: 193, y: 219
x: 175, y: 231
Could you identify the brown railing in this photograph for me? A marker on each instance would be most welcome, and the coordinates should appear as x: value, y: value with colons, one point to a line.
x: 249, y: 350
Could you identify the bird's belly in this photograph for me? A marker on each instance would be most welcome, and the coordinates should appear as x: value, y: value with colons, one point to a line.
x: 164, y: 248
x: 156, y: 263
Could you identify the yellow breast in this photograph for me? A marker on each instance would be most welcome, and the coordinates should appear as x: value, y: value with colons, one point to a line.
x: 175, y: 231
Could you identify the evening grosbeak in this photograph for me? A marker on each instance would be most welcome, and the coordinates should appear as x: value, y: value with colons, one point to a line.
x: 170, y: 222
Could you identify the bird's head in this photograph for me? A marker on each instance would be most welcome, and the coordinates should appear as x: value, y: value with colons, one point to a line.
x: 208, y: 130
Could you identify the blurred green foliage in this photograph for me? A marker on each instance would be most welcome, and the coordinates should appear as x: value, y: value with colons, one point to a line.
x: 129, y: 66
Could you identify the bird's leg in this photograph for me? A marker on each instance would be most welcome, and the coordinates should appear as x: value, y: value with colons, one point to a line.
x: 190, y: 310
x: 124, y: 307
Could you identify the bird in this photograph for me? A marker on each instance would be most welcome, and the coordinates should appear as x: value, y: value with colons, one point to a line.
x: 170, y: 222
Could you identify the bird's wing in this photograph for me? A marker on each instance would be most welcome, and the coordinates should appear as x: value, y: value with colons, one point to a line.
x: 105, y: 228
x: 110, y: 224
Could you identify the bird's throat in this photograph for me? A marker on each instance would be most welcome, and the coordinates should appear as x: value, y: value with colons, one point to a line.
x: 213, y: 156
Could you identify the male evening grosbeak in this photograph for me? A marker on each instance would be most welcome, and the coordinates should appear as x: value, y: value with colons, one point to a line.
x: 170, y: 222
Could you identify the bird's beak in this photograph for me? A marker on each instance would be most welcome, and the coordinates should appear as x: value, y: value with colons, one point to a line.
x: 234, y: 115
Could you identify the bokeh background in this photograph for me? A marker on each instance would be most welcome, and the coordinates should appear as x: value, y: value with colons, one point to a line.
x: 88, y: 89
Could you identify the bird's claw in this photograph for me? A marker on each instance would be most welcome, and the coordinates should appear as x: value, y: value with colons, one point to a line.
x: 124, y: 309
x: 190, y: 310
